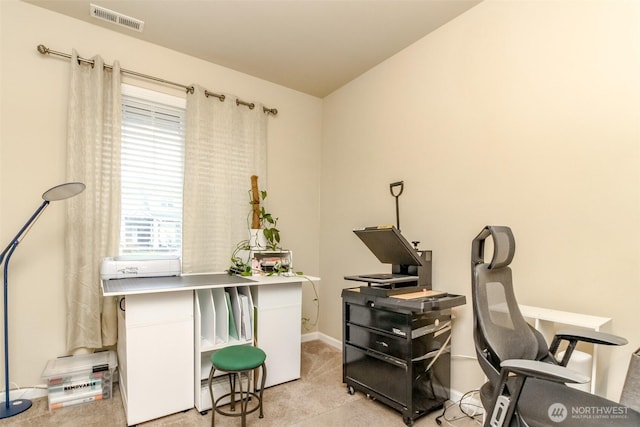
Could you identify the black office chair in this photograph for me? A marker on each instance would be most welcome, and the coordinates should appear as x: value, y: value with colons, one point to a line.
x: 527, y: 383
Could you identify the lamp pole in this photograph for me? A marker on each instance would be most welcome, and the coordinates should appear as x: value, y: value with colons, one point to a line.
x: 60, y: 192
x: 15, y: 407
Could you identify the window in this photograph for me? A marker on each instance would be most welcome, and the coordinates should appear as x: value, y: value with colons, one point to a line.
x: 153, y: 126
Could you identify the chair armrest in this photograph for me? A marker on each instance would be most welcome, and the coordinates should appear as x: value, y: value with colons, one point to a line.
x: 544, y: 371
x: 505, y: 399
x: 574, y: 336
x: 594, y: 337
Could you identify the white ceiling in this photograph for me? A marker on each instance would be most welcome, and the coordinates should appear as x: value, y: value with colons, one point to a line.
x: 313, y: 46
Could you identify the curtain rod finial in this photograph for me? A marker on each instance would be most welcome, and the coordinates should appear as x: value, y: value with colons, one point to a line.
x: 270, y: 111
x: 43, y: 49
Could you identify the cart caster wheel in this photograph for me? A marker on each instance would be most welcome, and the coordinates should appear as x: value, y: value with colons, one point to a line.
x: 407, y: 421
x: 351, y: 390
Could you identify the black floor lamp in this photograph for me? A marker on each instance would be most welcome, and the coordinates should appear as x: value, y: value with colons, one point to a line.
x: 60, y: 192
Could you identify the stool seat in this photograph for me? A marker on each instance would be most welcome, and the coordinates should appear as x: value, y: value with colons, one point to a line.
x: 238, y: 361
x: 238, y: 358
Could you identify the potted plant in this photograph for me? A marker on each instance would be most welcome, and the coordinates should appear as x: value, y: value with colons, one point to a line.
x: 263, y: 232
x: 262, y: 220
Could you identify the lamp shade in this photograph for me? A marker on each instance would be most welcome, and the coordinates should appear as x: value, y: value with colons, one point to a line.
x: 63, y: 191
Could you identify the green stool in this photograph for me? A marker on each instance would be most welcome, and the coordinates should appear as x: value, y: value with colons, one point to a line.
x: 235, y: 361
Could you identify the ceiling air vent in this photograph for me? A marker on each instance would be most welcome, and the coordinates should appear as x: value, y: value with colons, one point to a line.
x: 116, y: 18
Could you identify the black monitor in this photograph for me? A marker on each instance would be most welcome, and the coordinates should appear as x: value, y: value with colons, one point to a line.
x: 388, y: 245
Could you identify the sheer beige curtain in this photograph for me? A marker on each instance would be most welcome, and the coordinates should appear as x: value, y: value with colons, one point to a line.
x: 93, y: 220
x: 225, y: 144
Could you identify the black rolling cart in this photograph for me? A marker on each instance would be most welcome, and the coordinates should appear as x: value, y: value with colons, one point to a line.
x: 398, y: 351
x: 397, y: 330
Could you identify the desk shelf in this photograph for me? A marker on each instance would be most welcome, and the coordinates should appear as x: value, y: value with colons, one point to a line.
x: 222, y: 317
x: 275, y: 328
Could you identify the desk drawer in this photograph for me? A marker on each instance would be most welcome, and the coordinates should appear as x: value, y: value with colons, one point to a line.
x: 384, y: 343
x: 277, y: 295
x: 395, y: 323
x: 158, y: 308
x: 392, y: 345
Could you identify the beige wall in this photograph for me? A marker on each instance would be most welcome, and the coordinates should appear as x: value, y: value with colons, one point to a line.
x: 521, y: 113
x: 32, y: 159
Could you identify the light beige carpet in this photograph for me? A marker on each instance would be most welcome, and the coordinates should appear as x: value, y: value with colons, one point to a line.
x: 319, y: 398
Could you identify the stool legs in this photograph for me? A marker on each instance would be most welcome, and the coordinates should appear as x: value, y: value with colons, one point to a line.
x: 264, y: 378
x: 244, y: 396
x: 213, y: 402
x: 232, y: 388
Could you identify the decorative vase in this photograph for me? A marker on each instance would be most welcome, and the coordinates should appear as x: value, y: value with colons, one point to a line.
x: 257, y: 241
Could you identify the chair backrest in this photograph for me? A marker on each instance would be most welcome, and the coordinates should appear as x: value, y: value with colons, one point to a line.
x: 500, y: 331
x: 631, y: 390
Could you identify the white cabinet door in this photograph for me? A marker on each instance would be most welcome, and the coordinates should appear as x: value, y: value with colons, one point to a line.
x: 279, y: 313
x: 159, y: 355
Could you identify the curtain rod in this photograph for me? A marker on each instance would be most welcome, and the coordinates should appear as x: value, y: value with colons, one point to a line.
x: 45, y: 50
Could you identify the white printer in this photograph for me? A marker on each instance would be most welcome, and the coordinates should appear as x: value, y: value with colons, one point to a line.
x: 128, y: 266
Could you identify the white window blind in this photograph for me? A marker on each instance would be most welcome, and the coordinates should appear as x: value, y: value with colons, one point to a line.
x: 153, y: 126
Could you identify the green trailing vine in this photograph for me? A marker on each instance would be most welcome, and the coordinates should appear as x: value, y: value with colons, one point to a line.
x: 257, y: 218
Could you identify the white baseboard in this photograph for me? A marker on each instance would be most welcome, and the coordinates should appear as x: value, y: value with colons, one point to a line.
x: 311, y: 336
x: 26, y: 393
x: 331, y: 341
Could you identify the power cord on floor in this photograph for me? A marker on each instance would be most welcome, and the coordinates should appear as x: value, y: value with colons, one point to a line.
x: 306, y: 322
x: 477, y: 410
x: 14, y: 387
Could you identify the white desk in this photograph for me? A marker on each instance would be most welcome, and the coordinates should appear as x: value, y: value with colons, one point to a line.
x: 544, y: 320
x: 161, y: 360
